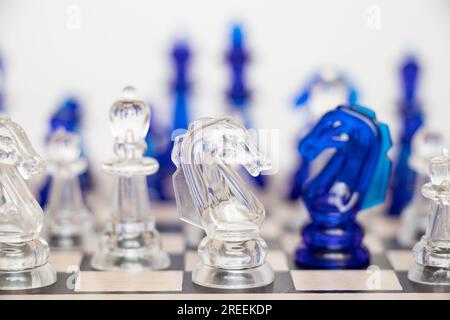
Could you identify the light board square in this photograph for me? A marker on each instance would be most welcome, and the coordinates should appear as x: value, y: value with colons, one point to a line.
x: 345, y: 280
x: 120, y: 281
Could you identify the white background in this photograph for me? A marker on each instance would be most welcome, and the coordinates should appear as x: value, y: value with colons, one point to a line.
x: 127, y: 42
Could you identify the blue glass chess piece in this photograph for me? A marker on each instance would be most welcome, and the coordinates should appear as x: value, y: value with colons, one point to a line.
x: 68, y: 115
x: 354, y: 178
x: 330, y: 80
x: 161, y: 181
x: 404, y: 177
x: 238, y: 94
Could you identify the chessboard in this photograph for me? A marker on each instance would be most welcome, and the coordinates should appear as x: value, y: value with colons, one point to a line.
x: 386, y: 278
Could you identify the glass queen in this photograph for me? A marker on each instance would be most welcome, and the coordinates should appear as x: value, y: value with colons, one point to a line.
x: 211, y: 195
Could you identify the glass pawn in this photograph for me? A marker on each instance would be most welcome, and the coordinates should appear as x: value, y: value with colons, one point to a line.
x: 130, y: 241
x: 70, y: 222
x: 432, y: 252
x: 211, y: 195
x: 23, y: 253
x: 425, y: 145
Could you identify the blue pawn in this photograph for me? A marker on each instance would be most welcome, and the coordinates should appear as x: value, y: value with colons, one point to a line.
x: 354, y: 178
x: 161, y: 182
x: 404, y: 178
x: 302, y: 172
x: 238, y: 95
x: 2, y: 86
x: 68, y: 116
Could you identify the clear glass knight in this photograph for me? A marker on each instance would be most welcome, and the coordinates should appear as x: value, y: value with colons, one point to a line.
x: 23, y: 253
x: 212, y: 196
x: 131, y: 241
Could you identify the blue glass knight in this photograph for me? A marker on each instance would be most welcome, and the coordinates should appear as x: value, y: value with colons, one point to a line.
x: 238, y: 95
x: 354, y: 178
x: 340, y: 90
x: 404, y: 177
x: 161, y: 182
x: 68, y: 115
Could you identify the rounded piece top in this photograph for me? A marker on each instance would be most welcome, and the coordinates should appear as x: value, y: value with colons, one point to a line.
x: 130, y: 120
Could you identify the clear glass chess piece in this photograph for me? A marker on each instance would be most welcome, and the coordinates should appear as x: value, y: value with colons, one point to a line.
x: 425, y: 145
x: 211, y: 195
x: 432, y: 252
x: 327, y: 87
x: 131, y: 241
x: 70, y: 222
x: 23, y: 253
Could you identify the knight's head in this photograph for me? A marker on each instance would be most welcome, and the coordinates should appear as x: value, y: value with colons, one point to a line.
x: 332, y: 131
x: 209, y: 139
x: 129, y: 120
x: 361, y: 143
x: 235, y: 145
x: 18, y: 149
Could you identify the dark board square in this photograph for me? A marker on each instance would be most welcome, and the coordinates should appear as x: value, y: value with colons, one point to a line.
x: 412, y: 287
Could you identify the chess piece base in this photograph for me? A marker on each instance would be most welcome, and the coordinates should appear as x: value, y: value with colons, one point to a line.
x: 23, y: 265
x: 333, y: 246
x: 429, y: 275
x: 356, y: 258
x: 133, y: 260
x: 131, y: 247
x: 38, y: 277
x: 213, y: 277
